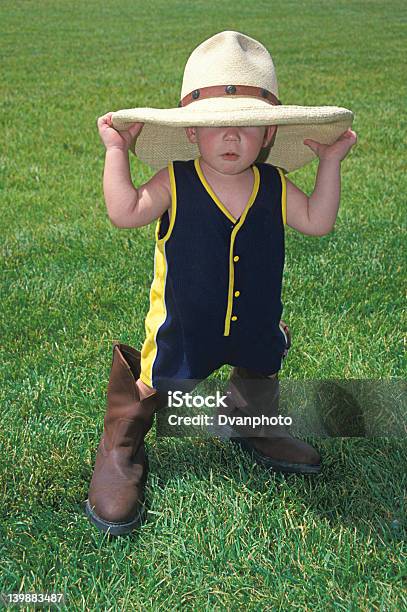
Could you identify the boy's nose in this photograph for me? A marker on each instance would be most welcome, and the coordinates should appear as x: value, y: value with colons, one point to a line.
x: 232, y: 133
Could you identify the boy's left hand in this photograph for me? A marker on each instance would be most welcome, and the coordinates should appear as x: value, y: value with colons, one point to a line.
x: 338, y: 150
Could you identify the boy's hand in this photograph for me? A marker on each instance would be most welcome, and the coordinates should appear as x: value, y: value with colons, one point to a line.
x: 338, y: 150
x: 112, y: 139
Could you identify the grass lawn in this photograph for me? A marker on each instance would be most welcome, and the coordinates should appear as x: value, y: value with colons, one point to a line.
x: 222, y: 533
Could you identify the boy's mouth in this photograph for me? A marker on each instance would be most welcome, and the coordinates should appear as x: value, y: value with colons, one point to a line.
x: 230, y: 156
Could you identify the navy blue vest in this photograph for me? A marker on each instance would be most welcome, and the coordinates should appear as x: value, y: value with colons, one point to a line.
x: 216, y: 296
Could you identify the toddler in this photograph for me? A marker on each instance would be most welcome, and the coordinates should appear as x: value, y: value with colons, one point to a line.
x: 222, y: 200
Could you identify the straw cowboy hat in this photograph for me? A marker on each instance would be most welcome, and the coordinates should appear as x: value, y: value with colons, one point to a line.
x: 230, y: 80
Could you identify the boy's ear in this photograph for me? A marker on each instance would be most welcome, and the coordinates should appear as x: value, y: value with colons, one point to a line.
x: 191, y: 134
x: 269, y: 136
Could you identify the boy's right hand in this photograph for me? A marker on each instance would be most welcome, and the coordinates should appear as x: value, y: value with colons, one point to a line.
x: 111, y: 138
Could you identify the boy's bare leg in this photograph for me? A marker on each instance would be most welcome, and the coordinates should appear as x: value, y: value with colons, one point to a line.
x: 144, y: 390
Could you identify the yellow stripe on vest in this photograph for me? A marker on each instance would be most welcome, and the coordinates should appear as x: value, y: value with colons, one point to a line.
x: 158, y: 310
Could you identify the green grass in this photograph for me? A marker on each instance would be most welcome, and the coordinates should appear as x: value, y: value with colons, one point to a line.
x: 222, y: 533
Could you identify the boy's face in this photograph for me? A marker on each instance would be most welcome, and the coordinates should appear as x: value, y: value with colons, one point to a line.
x: 230, y: 150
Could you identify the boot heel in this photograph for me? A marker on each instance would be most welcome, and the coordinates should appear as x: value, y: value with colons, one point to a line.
x: 115, y: 529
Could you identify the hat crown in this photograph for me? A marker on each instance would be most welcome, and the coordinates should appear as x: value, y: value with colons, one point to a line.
x: 229, y: 58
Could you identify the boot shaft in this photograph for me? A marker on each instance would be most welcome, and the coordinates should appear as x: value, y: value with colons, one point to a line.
x: 254, y: 393
x: 127, y: 418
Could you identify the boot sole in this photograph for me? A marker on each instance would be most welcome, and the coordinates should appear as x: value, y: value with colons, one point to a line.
x: 226, y: 433
x: 274, y: 464
x: 115, y: 529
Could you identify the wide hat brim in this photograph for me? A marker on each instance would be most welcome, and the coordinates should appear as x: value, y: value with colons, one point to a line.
x: 163, y: 137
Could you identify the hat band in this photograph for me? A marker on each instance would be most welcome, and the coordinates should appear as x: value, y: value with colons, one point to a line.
x: 216, y: 91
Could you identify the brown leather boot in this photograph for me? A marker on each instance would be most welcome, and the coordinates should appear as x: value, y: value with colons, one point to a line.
x: 272, y: 446
x: 116, y: 494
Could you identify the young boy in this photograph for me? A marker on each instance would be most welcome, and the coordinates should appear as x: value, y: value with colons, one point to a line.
x: 216, y: 294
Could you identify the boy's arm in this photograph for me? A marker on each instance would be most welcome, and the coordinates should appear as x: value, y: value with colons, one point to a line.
x: 126, y: 205
x: 316, y: 215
